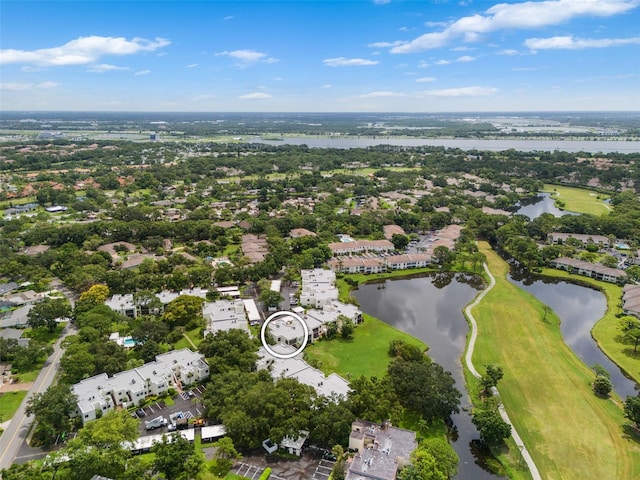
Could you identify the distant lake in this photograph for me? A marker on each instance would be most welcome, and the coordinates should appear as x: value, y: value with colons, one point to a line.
x: 591, y: 146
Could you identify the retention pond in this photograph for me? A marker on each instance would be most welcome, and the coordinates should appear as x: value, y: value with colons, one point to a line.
x: 579, y: 308
x: 429, y: 307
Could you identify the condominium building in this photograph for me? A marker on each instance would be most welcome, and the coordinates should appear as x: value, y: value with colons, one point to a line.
x: 99, y: 394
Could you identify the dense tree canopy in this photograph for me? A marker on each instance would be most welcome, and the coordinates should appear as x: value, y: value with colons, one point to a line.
x: 425, y: 387
x: 52, y: 411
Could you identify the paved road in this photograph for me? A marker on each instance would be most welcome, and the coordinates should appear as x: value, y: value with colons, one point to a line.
x: 17, y: 431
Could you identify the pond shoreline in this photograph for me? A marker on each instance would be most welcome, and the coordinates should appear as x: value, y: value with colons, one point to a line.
x: 598, y: 339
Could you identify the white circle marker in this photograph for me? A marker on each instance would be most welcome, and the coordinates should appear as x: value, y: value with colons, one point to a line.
x: 274, y: 316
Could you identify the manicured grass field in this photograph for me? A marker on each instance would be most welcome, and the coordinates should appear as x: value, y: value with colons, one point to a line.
x: 9, y: 403
x: 365, y: 354
x: 579, y: 200
x: 193, y: 335
x: 570, y: 433
x: 608, y: 327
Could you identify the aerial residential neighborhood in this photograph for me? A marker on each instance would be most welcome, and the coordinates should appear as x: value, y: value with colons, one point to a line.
x: 372, y: 240
x: 149, y: 313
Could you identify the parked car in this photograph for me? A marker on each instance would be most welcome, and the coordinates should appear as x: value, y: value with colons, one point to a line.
x: 140, y: 413
x: 155, y: 423
x: 328, y: 455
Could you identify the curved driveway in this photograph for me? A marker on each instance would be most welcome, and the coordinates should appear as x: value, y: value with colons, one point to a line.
x: 503, y: 413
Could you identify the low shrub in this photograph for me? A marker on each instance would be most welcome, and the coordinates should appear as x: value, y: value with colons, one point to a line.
x: 266, y: 474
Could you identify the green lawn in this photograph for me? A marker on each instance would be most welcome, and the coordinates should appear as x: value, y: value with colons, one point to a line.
x: 44, y: 335
x: 230, y: 250
x: 30, y: 375
x: 579, y: 200
x: 193, y: 335
x: 9, y: 403
x: 570, y: 433
x: 607, y: 329
x: 365, y: 354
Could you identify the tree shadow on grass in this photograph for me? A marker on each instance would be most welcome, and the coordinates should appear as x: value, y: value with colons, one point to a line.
x: 628, y: 351
x: 631, y: 431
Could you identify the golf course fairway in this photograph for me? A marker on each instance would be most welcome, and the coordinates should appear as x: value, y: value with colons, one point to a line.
x: 546, y: 389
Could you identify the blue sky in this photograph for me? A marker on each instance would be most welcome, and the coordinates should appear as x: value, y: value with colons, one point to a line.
x: 320, y: 56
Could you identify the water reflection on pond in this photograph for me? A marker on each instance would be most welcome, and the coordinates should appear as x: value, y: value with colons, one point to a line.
x: 579, y: 308
x: 533, y: 207
x: 429, y: 307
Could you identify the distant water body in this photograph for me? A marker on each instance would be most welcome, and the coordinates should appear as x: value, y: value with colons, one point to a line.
x: 590, y: 146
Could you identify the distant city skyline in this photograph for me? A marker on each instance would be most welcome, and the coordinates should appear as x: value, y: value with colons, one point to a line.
x: 320, y: 56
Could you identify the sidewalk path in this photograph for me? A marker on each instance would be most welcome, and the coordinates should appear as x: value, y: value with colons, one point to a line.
x: 503, y: 413
x: 15, y: 387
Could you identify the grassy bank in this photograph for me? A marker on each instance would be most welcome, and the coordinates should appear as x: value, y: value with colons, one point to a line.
x: 365, y: 354
x: 345, y: 288
x: 579, y: 200
x: 607, y: 329
x: 570, y: 433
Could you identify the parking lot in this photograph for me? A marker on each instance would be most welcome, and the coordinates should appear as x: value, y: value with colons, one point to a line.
x: 323, y: 470
x: 189, y: 404
x: 308, y: 467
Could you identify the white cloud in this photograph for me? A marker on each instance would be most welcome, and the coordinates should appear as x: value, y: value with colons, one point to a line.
x: 228, y: 17
x: 435, y: 24
x: 255, y: 96
x: 143, y: 72
x: 385, y: 44
x: 244, y: 58
x: 462, y: 92
x: 381, y: 2
x: 425, y: 79
x: 15, y: 86
x: 192, y: 65
x: 328, y: 85
x: 465, y: 58
x: 46, y: 85
x: 348, y: 62
x: 526, y: 69
x: 382, y: 94
x: 620, y: 76
x: 571, y: 43
x: 514, y: 16
x: 104, y: 67
x: 462, y: 49
x: 423, y: 64
x: 508, y: 51
x: 442, y: 62
x: 81, y: 51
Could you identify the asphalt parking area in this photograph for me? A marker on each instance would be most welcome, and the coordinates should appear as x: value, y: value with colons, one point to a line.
x: 190, y: 405
x: 248, y: 471
x: 308, y: 467
x: 323, y: 470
